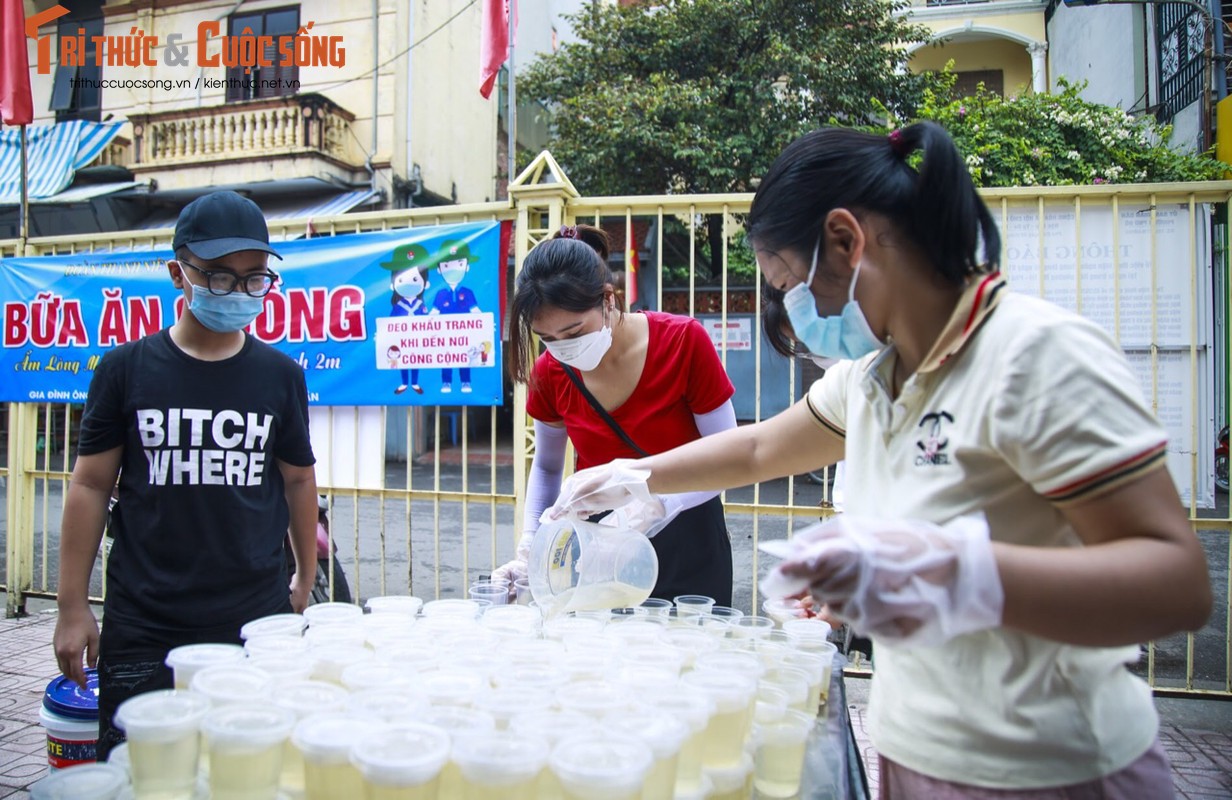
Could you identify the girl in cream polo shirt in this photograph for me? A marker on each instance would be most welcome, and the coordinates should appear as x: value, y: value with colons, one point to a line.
x: 1011, y: 531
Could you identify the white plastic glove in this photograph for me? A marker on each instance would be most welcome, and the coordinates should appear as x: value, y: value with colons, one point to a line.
x: 516, y: 569
x: 903, y: 581
x: 618, y: 485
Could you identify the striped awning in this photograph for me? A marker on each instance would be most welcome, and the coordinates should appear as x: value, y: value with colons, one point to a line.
x: 54, y: 153
x: 288, y: 208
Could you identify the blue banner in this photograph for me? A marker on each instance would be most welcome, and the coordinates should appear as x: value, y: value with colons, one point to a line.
x: 406, y: 317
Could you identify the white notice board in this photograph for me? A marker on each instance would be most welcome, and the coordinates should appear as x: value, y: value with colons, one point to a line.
x: 349, y: 444
x: 1168, y: 305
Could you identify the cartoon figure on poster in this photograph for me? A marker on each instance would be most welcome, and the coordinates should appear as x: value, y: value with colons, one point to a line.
x: 455, y: 261
x: 409, y: 282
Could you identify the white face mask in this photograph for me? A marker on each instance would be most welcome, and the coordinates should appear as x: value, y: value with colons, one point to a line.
x: 582, y: 352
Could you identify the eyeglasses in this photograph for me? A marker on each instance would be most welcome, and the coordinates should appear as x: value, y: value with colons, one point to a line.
x: 220, y: 282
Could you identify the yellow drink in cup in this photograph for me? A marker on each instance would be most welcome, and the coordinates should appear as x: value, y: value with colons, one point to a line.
x: 732, y: 783
x: 245, y: 747
x: 323, y: 742
x: 664, y: 734
x: 187, y: 661
x: 494, y: 765
x: 779, y: 762
x: 552, y: 726
x: 602, y: 767
x: 695, y: 708
x: 734, y: 696
x: 163, y: 741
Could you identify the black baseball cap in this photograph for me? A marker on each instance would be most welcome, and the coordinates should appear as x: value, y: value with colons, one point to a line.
x: 221, y: 223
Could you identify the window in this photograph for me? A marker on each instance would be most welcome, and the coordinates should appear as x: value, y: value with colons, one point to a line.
x: 75, y: 90
x: 967, y: 82
x: 1180, y: 40
x: 275, y: 81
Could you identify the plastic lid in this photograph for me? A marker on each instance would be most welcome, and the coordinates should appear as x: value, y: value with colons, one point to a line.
x: 691, y: 705
x: 521, y: 616
x: 451, y: 607
x: 452, y: 688
x: 493, y: 758
x: 82, y: 782
x: 542, y: 676
x: 119, y: 756
x: 332, y: 614
x: 306, y: 697
x: 274, y: 625
x: 638, y: 631
x: 506, y: 702
x: 275, y: 645
x: 284, y: 667
x: 730, y: 661
x: 405, y: 754
x: 564, y: 628
x: 352, y: 634
x: 591, y: 697
x: 602, y: 766
x: 161, y: 715
x: 811, y: 628
x: 229, y: 684
x: 328, y: 738
x: 660, y: 731
x: 197, y: 656
x: 370, y: 674
x: 245, y: 728
x: 458, y: 721
x: 406, y: 604
x: 390, y: 704
x: 66, y: 699
x: 554, y: 725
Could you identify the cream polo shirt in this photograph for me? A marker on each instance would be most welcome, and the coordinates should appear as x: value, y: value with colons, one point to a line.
x: 1020, y: 409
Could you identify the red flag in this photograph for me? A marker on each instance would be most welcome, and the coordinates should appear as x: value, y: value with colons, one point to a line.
x: 16, y: 104
x: 631, y: 265
x: 494, y: 45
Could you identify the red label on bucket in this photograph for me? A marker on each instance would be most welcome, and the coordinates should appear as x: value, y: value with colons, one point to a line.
x: 62, y: 753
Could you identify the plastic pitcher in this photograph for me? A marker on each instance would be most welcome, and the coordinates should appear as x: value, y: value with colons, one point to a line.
x: 583, y: 566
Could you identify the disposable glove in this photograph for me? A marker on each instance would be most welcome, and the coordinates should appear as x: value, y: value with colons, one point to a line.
x: 515, y: 570
x: 902, y: 581
x: 606, y: 487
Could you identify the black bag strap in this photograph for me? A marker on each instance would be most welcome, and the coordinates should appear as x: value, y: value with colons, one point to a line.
x: 602, y: 412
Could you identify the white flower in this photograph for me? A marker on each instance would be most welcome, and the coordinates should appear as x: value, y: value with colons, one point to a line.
x: 1073, y: 155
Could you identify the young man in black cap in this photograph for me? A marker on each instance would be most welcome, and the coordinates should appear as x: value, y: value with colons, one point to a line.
x: 207, y: 430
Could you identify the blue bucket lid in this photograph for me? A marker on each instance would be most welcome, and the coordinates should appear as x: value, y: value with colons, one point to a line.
x: 65, y: 698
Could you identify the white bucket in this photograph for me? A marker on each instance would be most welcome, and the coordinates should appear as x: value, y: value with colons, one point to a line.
x: 69, y: 741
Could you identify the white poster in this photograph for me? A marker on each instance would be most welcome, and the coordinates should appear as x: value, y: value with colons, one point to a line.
x: 739, y: 332
x: 349, y: 443
x: 1083, y: 264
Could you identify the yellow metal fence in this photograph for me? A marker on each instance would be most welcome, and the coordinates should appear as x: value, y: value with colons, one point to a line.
x: 1148, y: 262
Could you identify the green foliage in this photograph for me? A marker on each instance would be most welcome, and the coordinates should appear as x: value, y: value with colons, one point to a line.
x: 691, y: 96
x: 1059, y: 140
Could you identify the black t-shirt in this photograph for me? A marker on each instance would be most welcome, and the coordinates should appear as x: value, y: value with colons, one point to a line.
x: 202, y: 495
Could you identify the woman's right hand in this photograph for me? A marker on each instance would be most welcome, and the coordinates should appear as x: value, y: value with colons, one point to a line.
x: 603, y: 488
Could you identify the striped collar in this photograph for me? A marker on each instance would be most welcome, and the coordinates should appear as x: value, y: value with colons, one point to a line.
x: 976, y: 303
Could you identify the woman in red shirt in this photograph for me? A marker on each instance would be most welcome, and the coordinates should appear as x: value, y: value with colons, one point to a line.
x: 656, y: 375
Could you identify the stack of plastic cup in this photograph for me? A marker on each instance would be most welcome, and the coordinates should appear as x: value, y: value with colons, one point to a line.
x: 495, y: 765
x: 324, y: 743
x: 779, y: 759
x: 402, y: 762
x: 245, y: 746
x: 164, y: 744
x: 603, y: 768
x: 187, y: 661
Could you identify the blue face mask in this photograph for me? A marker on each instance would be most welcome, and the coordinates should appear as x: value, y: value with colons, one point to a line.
x: 846, y: 336
x: 223, y: 313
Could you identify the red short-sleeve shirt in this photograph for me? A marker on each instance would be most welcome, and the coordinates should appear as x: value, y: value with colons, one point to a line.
x: 682, y: 377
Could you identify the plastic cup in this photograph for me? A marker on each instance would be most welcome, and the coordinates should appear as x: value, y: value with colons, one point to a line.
x: 119, y: 757
x: 323, y: 743
x: 733, y: 694
x: 781, y: 610
x: 406, y: 605
x: 82, y: 782
x: 333, y: 658
x: 391, y: 704
x: 459, y: 722
x: 779, y: 757
x: 793, y: 682
x: 336, y: 634
x: 164, y: 745
x: 808, y: 634
x: 495, y: 765
x: 522, y: 589
x: 578, y: 566
x: 564, y: 628
x: 734, y: 782
x: 245, y: 744
x: 691, y: 643
x: 494, y: 593
x: 664, y: 734
x: 602, y: 768
x: 451, y: 687
x: 274, y: 625
x: 816, y: 668
x: 363, y: 675
x: 304, y: 698
x: 687, y: 604
x: 726, y: 613
x: 323, y: 614
x: 187, y: 661
x: 529, y: 676
x: 275, y: 645
x: 238, y: 684
x: 694, y: 708
x: 402, y: 761
x: 771, y: 704
x: 597, y: 698
x: 516, y: 617
x: 750, y: 627
x: 656, y: 607
x: 729, y: 661
x: 553, y: 725
x: 638, y: 631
